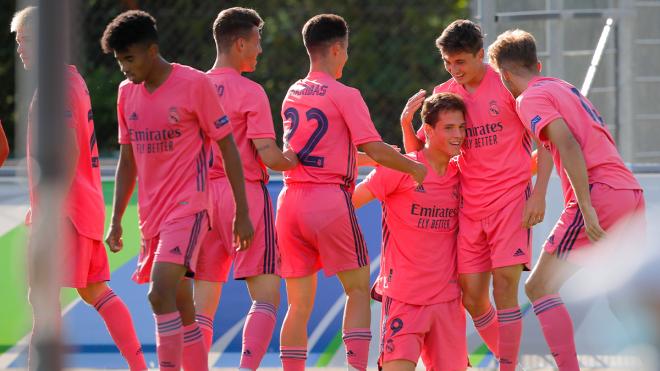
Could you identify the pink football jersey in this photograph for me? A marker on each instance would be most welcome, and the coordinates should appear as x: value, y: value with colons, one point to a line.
x: 170, y: 130
x: 420, y: 225
x: 495, y: 157
x: 324, y: 121
x: 247, y: 107
x: 547, y: 99
x: 83, y: 203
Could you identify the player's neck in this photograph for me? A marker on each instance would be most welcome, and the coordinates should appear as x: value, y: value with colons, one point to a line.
x: 224, y: 60
x: 158, y: 75
x: 323, y: 66
x: 473, y: 84
x: 437, y: 159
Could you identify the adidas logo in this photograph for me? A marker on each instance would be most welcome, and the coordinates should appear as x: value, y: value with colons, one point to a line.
x: 133, y: 116
x: 519, y: 253
x: 247, y: 353
x: 176, y: 251
x: 551, y: 239
x: 350, y: 353
x: 420, y: 188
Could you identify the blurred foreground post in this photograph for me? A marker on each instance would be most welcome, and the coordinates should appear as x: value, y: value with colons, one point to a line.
x: 44, y: 256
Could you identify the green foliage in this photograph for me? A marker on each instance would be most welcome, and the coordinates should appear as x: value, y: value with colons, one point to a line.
x: 392, y: 50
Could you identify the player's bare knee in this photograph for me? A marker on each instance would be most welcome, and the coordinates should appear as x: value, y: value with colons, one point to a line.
x: 301, y: 309
x: 159, y: 298
x: 358, y: 292
x: 475, y: 304
x: 536, y: 290
x: 87, y: 296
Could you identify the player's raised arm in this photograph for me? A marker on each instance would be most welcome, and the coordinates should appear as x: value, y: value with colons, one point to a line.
x: 388, y: 156
x: 572, y: 160
x: 411, y: 142
x: 125, y: 177
x: 273, y: 157
x: 231, y: 160
x: 4, y: 146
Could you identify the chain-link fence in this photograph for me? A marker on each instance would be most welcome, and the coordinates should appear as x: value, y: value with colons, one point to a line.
x: 392, y: 50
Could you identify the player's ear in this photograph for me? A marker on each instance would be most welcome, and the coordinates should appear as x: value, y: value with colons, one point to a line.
x: 153, y: 50
x: 539, y: 66
x: 480, y: 54
x: 428, y: 130
x: 335, y: 48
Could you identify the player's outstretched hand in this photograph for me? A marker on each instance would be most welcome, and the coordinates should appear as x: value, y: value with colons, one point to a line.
x: 591, y: 224
x: 413, y: 104
x: 419, y: 173
x: 534, y: 210
x: 113, y: 238
x: 243, y: 232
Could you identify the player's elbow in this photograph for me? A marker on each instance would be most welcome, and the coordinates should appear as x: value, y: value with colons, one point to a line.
x: 377, y: 151
x: 4, y: 153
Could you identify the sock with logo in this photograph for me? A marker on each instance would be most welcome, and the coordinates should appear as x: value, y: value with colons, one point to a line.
x: 557, y: 329
x: 119, y: 323
x: 169, y: 340
x: 510, y: 331
x: 257, y: 332
x: 357, y: 342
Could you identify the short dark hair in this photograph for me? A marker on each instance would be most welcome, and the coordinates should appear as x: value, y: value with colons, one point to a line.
x: 322, y: 30
x: 514, y: 49
x: 129, y: 28
x: 438, y: 103
x: 461, y: 36
x: 233, y: 23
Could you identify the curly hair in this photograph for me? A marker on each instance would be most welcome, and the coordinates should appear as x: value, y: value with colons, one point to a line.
x: 129, y: 28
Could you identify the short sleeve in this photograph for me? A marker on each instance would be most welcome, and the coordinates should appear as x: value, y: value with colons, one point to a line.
x: 420, y: 134
x: 382, y: 182
x: 356, y: 114
x: 124, y: 137
x: 536, y: 110
x: 258, y: 116
x: 212, y: 118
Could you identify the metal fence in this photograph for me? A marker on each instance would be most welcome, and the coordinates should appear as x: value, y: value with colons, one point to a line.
x: 626, y: 88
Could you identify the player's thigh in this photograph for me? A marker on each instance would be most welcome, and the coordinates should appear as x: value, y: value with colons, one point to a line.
x: 445, y: 345
x: 216, y: 250
x: 399, y: 365
x: 298, y: 250
x: 263, y: 256
x: 180, y: 240
x: 403, y: 328
x: 473, y: 252
x: 509, y: 242
x: 340, y: 240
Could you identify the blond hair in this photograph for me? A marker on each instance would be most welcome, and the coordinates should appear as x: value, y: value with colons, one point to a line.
x: 23, y: 17
x: 513, y: 49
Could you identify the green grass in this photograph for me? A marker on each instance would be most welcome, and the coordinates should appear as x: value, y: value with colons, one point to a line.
x: 15, y: 313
